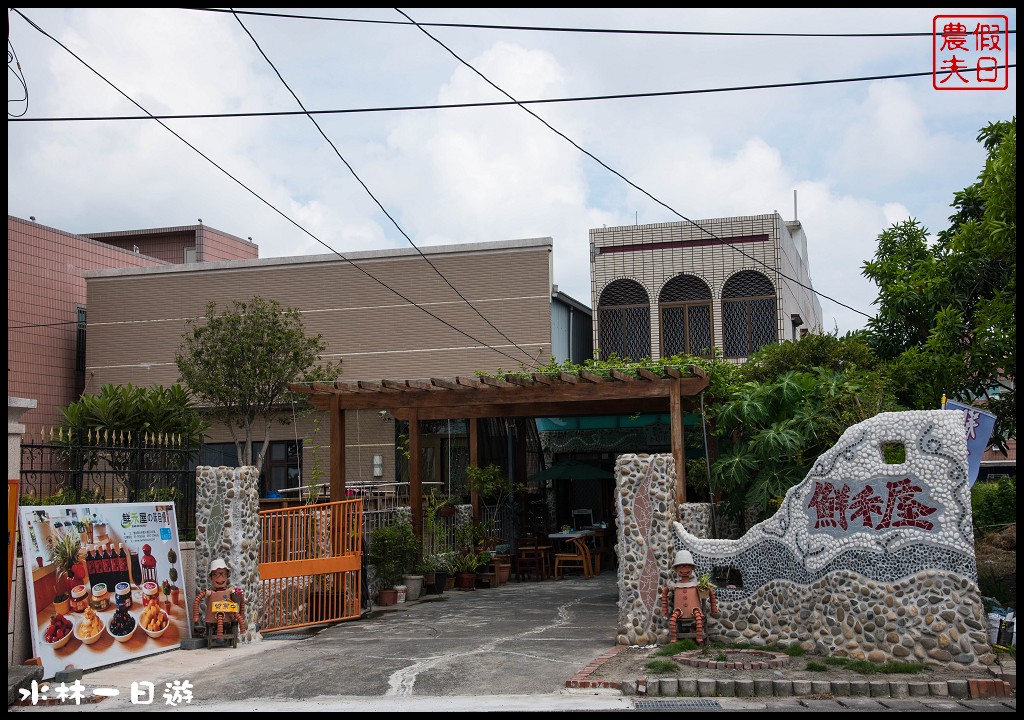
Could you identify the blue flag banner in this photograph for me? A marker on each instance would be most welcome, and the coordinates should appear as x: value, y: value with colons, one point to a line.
x: 978, y: 424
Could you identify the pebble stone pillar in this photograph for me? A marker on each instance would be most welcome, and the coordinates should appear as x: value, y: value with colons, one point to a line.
x: 228, y: 527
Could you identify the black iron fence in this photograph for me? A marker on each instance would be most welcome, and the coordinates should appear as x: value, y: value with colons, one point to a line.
x: 62, y: 468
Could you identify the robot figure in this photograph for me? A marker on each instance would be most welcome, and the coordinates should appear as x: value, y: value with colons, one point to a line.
x: 685, y: 598
x: 225, y: 608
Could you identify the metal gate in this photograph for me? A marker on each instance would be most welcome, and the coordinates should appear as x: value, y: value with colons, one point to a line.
x: 311, y: 564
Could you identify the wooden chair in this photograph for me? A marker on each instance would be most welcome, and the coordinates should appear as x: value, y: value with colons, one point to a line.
x: 530, y: 559
x: 578, y: 560
x: 603, y: 554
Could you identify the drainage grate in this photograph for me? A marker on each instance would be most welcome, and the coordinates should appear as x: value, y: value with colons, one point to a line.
x: 677, y: 704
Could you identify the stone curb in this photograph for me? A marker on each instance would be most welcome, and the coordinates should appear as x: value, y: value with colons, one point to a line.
x: 975, y: 688
x: 749, y: 687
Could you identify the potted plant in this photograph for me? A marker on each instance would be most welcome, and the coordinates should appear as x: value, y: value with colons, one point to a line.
x: 172, y: 558
x: 439, y: 506
x: 438, y: 561
x: 392, y: 550
x: 491, y: 484
x: 407, y: 547
x: 464, y: 566
x: 172, y: 574
x: 705, y: 586
x: 448, y: 560
x: 428, y: 568
x: 165, y: 588
x: 65, y: 553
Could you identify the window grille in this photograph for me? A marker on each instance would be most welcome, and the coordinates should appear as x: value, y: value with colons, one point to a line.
x: 624, y: 320
x: 748, y: 314
x: 685, y: 304
x: 80, y: 340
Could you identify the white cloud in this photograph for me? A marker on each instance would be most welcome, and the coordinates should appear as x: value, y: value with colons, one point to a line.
x: 862, y: 155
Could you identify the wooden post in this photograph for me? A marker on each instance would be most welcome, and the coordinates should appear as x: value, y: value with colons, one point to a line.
x: 474, y: 459
x: 337, y: 420
x: 415, y: 474
x: 678, y: 448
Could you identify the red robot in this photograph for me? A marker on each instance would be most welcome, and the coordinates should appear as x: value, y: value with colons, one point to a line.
x: 686, y: 600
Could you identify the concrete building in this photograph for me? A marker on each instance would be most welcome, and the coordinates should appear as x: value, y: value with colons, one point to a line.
x: 735, y: 283
x: 384, y: 314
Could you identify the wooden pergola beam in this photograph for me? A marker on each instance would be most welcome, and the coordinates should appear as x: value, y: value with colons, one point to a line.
x: 495, y: 382
x: 542, y: 395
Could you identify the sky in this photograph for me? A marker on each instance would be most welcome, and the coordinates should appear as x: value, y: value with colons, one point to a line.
x: 848, y: 159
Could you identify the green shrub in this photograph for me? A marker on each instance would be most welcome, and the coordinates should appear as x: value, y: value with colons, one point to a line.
x: 994, y: 504
x: 64, y: 497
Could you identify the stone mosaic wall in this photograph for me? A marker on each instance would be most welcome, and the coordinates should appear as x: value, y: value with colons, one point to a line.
x: 863, y: 559
x: 228, y: 527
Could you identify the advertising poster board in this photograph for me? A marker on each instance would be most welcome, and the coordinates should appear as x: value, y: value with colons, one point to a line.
x: 131, y: 550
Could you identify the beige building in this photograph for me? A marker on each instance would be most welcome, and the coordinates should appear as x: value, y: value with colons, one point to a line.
x: 735, y: 283
x: 384, y: 314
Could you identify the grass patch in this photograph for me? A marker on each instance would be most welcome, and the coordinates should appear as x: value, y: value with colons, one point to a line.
x: 817, y: 666
x: 869, y: 668
x: 662, y: 665
x: 721, y: 657
x: 685, y: 645
x: 795, y: 651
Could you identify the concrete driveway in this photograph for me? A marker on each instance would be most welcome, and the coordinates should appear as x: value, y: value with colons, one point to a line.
x: 520, y: 639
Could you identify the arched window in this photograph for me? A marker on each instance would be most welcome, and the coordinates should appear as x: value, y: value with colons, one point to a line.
x: 685, y: 307
x: 748, y: 314
x: 624, y: 320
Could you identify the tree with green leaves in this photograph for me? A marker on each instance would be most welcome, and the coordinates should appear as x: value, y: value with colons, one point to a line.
x: 946, y: 318
x: 137, y: 433
x: 239, y: 363
x: 167, y: 411
x: 776, y: 422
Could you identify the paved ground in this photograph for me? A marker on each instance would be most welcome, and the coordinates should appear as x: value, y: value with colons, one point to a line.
x: 504, y: 649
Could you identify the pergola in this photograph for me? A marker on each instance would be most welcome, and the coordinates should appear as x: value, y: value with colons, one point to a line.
x: 520, y: 395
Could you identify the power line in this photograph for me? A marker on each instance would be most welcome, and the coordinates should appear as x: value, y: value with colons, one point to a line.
x: 42, y: 325
x: 500, y: 103
x: 264, y: 201
x: 378, y: 202
x: 627, y: 180
x: 563, y: 29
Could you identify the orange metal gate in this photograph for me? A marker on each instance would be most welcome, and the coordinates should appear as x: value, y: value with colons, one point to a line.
x: 311, y: 564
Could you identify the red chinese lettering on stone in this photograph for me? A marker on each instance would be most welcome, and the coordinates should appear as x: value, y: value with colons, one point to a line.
x: 865, y: 505
x: 834, y: 507
x: 902, y: 509
x: 829, y: 504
